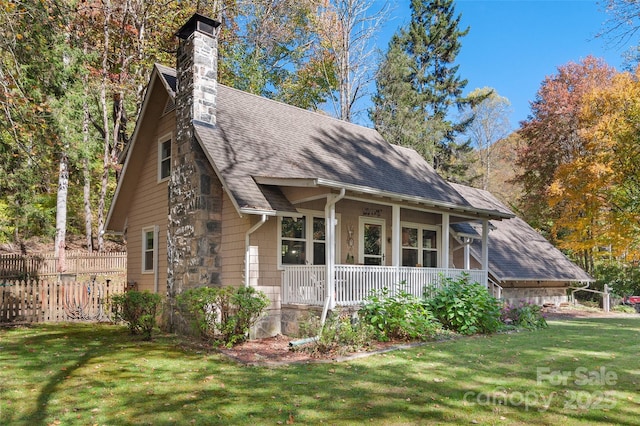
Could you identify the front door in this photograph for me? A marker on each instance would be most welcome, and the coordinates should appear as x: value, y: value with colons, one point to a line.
x: 372, y: 241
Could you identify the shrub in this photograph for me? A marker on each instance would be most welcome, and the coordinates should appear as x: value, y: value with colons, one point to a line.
x: 626, y: 309
x: 138, y: 310
x: 399, y: 316
x: 465, y: 307
x: 525, y: 315
x: 342, y: 333
x: 223, y: 315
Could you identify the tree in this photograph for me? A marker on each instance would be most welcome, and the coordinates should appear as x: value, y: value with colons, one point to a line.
x: 275, y: 51
x: 552, y: 134
x: 611, y: 116
x: 347, y: 29
x: 34, y: 73
x: 622, y: 27
x: 489, y: 123
x: 624, y: 21
x: 418, y: 83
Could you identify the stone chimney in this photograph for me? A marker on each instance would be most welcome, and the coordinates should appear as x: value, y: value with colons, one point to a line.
x: 197, y: 68
x: 195, y: 193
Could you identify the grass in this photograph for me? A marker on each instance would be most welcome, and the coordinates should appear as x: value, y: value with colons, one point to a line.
x: 79, y: 374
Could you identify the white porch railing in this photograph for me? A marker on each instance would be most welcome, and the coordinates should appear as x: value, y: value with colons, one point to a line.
x: 306, y: 284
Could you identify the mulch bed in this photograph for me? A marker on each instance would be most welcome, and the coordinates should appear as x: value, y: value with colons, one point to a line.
x: 274, y: 351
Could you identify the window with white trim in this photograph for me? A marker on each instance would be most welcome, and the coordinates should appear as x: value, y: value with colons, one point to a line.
x: 148, y: 249
x: 420, y: 245
x: 164, y: 157
x: 302, y: 240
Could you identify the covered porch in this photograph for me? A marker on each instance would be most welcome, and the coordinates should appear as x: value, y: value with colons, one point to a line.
x: 385, y: 242
x: 308, y: 284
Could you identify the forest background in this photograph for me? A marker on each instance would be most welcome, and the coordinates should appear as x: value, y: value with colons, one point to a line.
x: 73, y: 76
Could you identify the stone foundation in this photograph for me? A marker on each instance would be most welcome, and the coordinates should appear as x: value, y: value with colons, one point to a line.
x: 292, y: 315
x: 267, y: 326
x: 536, y: 296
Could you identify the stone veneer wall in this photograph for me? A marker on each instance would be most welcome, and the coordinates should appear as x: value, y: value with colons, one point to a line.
x: 195, y: 193
x: 292, y: 315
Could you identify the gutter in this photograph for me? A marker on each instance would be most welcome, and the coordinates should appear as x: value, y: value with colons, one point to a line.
x: 247, y: 236
x: 463, y: 210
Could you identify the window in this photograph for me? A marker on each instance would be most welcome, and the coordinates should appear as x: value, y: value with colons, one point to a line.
x: 302, y: 240
x: 148, y: 249
x: 164, y: 158
x: 419, y: 246
x: 372, y: 245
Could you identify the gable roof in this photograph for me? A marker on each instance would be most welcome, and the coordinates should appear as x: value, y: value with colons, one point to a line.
x: 516, y: 251
x: 259, y: 144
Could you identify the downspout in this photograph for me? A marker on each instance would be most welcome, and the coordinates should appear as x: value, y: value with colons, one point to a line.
x: 247, y: 247
x: 330, y: 227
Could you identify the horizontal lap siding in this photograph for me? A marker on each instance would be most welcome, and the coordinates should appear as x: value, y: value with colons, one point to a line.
x: 232, y: 250
x: 270, y: 276
x: 149, y: 208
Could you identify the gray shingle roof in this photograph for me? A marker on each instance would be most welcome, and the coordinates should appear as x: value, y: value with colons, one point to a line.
x: 516, y: 251
x: 255, y: 138
x: 258, y: 137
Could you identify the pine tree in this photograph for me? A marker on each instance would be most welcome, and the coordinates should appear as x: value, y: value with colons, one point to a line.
x: 417, y: 85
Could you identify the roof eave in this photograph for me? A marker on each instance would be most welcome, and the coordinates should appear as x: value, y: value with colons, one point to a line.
x: 155, y: 75
x: 474, y: 212
x: 554, y: 280
x: 328, y: 183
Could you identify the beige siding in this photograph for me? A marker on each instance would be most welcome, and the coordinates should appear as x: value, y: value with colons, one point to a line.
x: 148, y: 208
x: 266, y: 238
x: 234, y: 228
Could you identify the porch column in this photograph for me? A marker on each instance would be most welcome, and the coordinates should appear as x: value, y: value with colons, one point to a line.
x: 330, y: 250
x: 396, y: 236
x: 445, y: 240
x: 467, y: 242
x: 485, y: 244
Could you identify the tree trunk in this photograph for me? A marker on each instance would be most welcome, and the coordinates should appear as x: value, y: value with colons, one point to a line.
x: 86, y: 171
x: 106, y: 158
x: 61, y: 211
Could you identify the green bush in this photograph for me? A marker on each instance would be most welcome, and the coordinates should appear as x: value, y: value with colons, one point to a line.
x: 138, y: 310
x: 398, y: 316
x: 626, y: 309
x: 524, y: 315
x: 223, y: 315
x: 465, y: 307
x: 342, y: 333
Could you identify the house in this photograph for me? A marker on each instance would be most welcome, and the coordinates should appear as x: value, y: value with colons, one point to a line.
x: 222, y: 187
x: 521, y: 261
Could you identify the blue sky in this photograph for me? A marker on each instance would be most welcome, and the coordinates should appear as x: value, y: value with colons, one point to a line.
x: 514, y: 44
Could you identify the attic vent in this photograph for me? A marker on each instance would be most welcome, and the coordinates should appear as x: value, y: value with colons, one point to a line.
x: 170, y: 106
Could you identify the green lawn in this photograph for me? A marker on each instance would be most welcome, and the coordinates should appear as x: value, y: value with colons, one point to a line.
x: 574, y: 372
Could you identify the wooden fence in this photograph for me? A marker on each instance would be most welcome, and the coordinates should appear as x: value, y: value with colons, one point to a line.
x: 77, y: 264
x: 52, y: 300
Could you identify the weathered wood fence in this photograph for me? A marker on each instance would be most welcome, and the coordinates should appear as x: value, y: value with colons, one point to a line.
x: 33, y: 290
x: 51, y: 300
x: 15, y: 266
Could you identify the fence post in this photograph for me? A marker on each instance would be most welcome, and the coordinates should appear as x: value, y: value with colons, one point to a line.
x: 606, y: 302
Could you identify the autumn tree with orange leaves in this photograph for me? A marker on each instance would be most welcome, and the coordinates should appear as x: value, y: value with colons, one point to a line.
x: 580, y: 162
